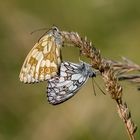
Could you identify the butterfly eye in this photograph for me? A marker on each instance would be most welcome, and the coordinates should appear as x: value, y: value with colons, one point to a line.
x: 55, y: 28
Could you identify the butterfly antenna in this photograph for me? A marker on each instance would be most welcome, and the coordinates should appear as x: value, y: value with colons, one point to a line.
x: 98, y: 86
x: 40, y: 29
x: 93, y: 86
x: 80, y: 57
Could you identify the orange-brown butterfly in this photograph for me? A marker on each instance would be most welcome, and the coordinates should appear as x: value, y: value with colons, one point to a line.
x: 44, y: 59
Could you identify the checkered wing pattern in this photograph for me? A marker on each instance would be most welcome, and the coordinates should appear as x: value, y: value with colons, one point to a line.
x: 44, y: 59
x: 72, y: 77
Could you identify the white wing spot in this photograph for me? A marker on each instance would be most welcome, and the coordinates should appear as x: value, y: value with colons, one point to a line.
x: 29, y: 78
x: 25, y: 79
x: 75, y: 76
x: 39, y: 56
x: 44, y: 43
x: 71, y: 87
x: 53, y: 64
x: 63, y: 74
x: 45, y: 51
x: 62, y: 93
x: 47, y: 76
x: 61, y: 79
x: 57, y: 53
x: 42, y: 77
x: 81, y: 79
x: 53, y: 94
x: 34, y: 52
x: 42, y: 63
x: 58, y: 98
x: 48, y: 63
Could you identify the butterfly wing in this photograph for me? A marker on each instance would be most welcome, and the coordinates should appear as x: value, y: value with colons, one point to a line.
x: 63, y: 87
x: 43, y: 60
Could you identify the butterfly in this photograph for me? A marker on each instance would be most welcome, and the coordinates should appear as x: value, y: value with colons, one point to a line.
x: 43, y: 61
x: 72, y: 77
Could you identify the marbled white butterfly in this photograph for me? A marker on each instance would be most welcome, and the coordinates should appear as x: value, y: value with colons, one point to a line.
x: 72, y: 77
x: 44, y: 59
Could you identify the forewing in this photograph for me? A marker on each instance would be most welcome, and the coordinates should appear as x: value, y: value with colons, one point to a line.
x: 63, y: 87
x: 43, y: 60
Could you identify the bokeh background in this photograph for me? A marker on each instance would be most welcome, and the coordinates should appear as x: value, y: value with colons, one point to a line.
x: 114, y: 27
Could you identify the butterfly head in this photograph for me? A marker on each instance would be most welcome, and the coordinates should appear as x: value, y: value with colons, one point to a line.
x: 87, y: 69
x: 55, y: 32
x: 54, y: 28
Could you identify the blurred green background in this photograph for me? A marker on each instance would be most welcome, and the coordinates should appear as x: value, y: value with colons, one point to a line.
x: 114, y: 27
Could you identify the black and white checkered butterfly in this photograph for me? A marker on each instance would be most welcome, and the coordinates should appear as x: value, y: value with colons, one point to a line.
x: 72, y: 77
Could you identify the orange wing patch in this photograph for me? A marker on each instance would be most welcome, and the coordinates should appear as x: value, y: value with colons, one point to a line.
x: 44, y: 59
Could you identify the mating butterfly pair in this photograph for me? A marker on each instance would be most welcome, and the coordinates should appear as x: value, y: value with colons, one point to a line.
x: 44, y: 63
